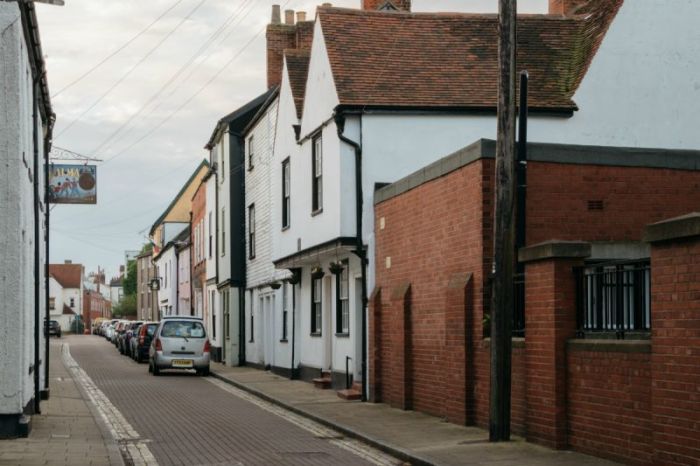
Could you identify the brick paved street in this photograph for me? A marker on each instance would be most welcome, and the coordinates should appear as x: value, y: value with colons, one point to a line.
x: 182, y: 419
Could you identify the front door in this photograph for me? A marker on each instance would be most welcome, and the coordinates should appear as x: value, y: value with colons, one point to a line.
x: 225, y: 306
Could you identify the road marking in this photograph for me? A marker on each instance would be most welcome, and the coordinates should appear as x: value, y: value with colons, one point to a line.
x: 134, y: 449
x: 364, y: 451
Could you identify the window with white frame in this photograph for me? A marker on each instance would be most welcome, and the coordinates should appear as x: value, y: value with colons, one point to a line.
x: 223, y: 232
x: 211, y: 231
x: 286, y: 194
x: 316, y: 305
x: 223, y: 159
x: 72, y: 302
x: 285, y: 310
x: 317, y: 175
x: 251, y: 231
x: 251, y: 149
x: 342, y: 322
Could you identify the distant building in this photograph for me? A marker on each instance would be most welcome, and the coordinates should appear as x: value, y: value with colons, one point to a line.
x: 65, y: 293
x: 146, y: 298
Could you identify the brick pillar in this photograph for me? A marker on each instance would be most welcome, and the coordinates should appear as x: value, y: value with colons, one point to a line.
x: 400, y: 381
x: 375, y: 346
x: 458, y: 329
x: 550, y: 320
x: 675, y: 322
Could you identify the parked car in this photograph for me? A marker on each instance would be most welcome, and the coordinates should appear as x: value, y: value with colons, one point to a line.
x: 141, y: 341
x: 109, y: 329
x: 180, y: 343
x: 120, y: 331
x: 125, y: 340
x: 54, y: 328
x: 118, y: 327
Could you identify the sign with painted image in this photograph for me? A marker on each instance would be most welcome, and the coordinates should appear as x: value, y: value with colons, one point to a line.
x: 72, y: 184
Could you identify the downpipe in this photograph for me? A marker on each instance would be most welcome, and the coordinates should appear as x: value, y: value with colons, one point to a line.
x: 37, y: 258
x: 359, y: 247
x: 47, y: 148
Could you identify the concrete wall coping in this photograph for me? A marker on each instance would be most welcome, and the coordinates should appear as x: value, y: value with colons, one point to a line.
x: 610, y: 346
x: 555, y: 250
x: 676, y: 159
x: 684, y: 226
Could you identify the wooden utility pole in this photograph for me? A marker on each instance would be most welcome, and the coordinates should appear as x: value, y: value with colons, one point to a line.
x: 504, y: 229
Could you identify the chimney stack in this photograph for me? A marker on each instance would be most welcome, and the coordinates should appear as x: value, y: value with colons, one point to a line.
x: 566, y: 7
x: 68, y: 261
x: 276, y: 14
x: 289, y: 17
x: 387, y: 5
x: 301, y: 16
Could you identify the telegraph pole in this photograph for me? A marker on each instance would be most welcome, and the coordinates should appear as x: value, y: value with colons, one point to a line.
x: 504, y: 229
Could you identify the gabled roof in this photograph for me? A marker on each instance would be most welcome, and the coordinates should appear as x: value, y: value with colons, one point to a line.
x: 68, y: 311
x: 272, y: 95
x: 203, y: 163
x: 238, y: 119
x: 67, y: 275
x: 298, y: 71
x: 450, y: 60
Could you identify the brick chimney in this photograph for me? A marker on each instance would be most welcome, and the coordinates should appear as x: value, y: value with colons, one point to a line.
x: 566, y: 7
x: 279, y: 37
x: 388, y: 5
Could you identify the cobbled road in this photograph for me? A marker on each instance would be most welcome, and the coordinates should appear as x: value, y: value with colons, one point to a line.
x: 183, y: 419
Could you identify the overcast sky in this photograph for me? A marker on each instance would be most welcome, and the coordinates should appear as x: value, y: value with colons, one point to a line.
x: 164, y: 93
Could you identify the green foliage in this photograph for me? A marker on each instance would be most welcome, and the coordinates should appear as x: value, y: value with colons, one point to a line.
x: 126, y: 308
x: 147, y: 248
x: 130, y: 279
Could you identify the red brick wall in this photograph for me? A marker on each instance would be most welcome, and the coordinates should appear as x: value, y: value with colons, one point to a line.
x: 676, y: 357
x: 431, y: 234
x: 609, y: 396
x: 558, y: 195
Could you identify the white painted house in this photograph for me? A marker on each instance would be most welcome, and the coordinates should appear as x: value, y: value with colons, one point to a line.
x: 26, y: 125
x: 65, y: 293
x: 212, y: 305
x: 610, y: 74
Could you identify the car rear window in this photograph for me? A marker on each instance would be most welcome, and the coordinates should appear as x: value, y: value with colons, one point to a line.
x: 151, y: 328
x: 182, y: 329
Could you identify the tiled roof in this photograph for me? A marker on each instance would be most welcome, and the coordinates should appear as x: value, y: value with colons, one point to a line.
x: 67, y: 275
x: 298, y: 69
x: 451, y: 59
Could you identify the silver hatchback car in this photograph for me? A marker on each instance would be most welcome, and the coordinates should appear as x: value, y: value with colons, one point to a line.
x: 180, y: 342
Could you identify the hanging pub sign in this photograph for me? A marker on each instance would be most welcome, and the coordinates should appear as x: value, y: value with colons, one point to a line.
x: 72, y: 184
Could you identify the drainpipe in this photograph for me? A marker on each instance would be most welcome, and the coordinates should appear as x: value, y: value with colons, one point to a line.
x: 360, y: 248
x: 37, y: 258
x: 192, y: 246
x: 47, y: 149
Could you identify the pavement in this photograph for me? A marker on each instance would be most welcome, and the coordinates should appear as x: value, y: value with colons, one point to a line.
x: 67, y: 432
x: 413, y: 437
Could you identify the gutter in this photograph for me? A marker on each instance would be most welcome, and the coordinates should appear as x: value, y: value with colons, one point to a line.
x: 360, y: 250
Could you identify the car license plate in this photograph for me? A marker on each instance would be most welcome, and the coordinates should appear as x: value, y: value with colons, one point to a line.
x: 182, y: 363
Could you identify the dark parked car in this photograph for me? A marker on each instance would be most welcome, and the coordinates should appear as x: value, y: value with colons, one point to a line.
x: 54, y: 328
x: 124, y: 344
x: 141, y: 341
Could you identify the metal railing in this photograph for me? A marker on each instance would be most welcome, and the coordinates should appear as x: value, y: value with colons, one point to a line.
x: 614, y: 297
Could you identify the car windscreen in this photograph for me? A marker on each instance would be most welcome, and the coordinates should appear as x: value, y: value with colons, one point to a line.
x: 182, y: 329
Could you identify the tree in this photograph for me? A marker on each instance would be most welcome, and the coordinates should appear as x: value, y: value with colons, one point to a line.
x: 126, y: 307
x: 130, y: 279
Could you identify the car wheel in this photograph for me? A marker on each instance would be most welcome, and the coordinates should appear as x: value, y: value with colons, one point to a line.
x: 156, y: 371
x: 203, y: 372
x: 150, y: 367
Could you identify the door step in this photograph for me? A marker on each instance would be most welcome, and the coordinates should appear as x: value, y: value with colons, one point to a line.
x: 350, y: 394
x: 324, y: 382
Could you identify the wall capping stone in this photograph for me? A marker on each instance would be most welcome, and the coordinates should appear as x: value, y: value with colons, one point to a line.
x: 555, y: 249
x: 610, y: 346
x: 685, y: 226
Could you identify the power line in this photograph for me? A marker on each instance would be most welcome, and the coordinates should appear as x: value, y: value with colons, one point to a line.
x: 190, y: 99
x: 174, y: 77
x: 119, y: 49
x: 131, y: 70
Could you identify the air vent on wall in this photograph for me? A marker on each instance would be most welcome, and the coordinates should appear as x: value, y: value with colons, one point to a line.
x: 595, y: 205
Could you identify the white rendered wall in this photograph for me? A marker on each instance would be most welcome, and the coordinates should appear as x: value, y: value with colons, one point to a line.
x: 223, y: 157
x: 210, y: 228
x: 167, y: 295
x: 16, y: 211
x: 183, y: 282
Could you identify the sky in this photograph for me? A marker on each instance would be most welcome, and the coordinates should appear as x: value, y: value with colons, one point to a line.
x: 148, y: 110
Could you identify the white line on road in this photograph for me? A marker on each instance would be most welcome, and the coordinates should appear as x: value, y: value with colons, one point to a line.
x: 134, y: 449
x: 366, y: 452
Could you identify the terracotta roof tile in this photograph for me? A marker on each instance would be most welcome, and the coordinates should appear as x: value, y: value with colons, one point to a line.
x: 450, y: 59
x: 298, y: 69
x: 67, y: 275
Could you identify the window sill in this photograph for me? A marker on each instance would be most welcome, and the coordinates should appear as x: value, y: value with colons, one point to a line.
x: 609, y: 346
x: 315, y: 335
x: 317, y: 212
x: 286, y: 228
x: 342, y: 335
x: 284, y: 340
